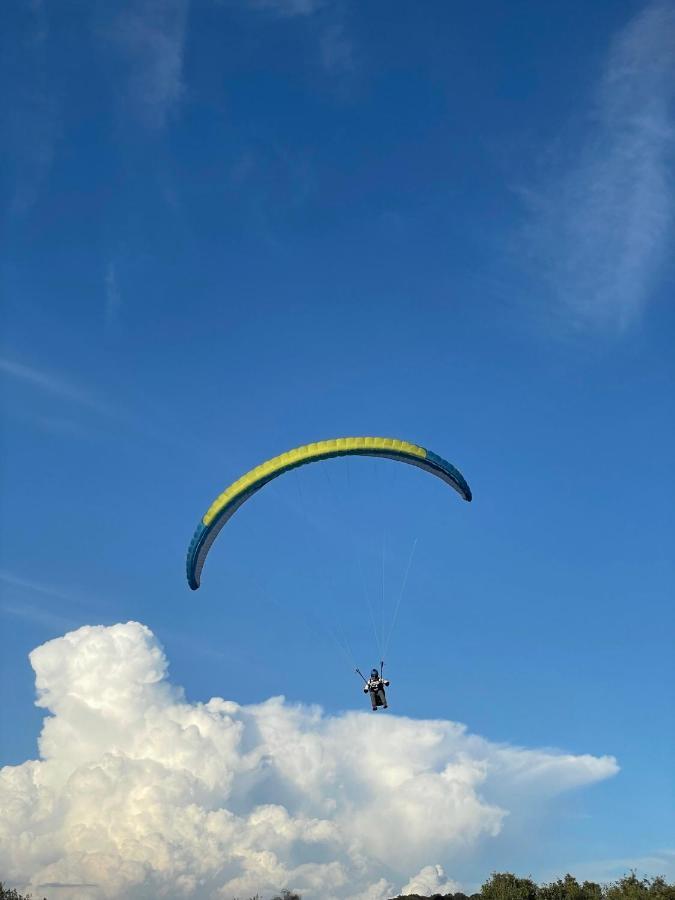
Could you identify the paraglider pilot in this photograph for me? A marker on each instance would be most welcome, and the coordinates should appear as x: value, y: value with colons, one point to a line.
x: 375, y: 687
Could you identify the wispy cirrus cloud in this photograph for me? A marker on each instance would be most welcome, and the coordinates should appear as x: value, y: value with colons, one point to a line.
x: 9, y: 579
x: 57, y: 404
x: 601, y: 230
x: 77, y: 405
x: 50, y: 383
x: 47, y: 606
x: 37, y: 615
x: 335, y: 47
x: 288, y: 8
x: 15, y: 592
x: 148, y: 38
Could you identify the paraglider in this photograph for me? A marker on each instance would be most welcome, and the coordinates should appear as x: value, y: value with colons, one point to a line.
x: 241, y: 490
x: 227, y: 503
x: 375, y: 686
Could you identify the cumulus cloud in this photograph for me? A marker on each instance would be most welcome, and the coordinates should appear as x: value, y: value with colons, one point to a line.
x: 430, y: 880
x: 139, y: 793
x: 602, y: 228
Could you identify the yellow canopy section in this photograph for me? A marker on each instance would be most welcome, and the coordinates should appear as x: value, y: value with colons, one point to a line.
x: 305, y: 454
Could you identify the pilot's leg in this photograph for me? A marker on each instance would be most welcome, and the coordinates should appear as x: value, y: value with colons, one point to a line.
x: 373, y: 699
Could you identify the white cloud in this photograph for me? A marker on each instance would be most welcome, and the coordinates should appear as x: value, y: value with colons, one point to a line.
x: 601, y: 230
x: 139, y: 793
x: 430, y: 880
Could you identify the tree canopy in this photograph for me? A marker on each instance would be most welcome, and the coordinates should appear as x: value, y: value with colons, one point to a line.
x: 507, y: 886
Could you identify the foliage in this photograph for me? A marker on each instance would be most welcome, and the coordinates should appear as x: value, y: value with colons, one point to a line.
x: 506, y: 886
x: 630, y: 887
x: 284, y: 895
x: 458, y: 896
x: 11, y: 894
x: 568, y: 888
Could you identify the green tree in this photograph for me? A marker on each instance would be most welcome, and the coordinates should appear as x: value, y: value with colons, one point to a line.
x: 568, y: 888
x: 630, y: 887
x: 659, y: 889
x: 506, y: 886
x: 11, y: 894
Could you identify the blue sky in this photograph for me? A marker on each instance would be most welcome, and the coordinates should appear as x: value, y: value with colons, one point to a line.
x: 231, y: 228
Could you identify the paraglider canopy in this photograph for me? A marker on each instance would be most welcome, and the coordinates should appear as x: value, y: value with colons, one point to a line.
x: 227, y: 503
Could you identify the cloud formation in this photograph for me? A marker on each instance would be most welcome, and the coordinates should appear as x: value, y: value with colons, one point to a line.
x: 602, y: 228
x: 47, y: 382
x: 139, y: 793
x: 336, y: 49
x: 149, y: 37
x: 430, y: 880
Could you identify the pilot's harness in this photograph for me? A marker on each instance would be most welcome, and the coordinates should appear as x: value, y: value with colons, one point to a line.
x: 368, y: 682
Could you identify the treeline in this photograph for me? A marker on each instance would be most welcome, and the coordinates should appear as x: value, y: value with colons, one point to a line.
x: 505, y: 886
x: 10, y: 894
